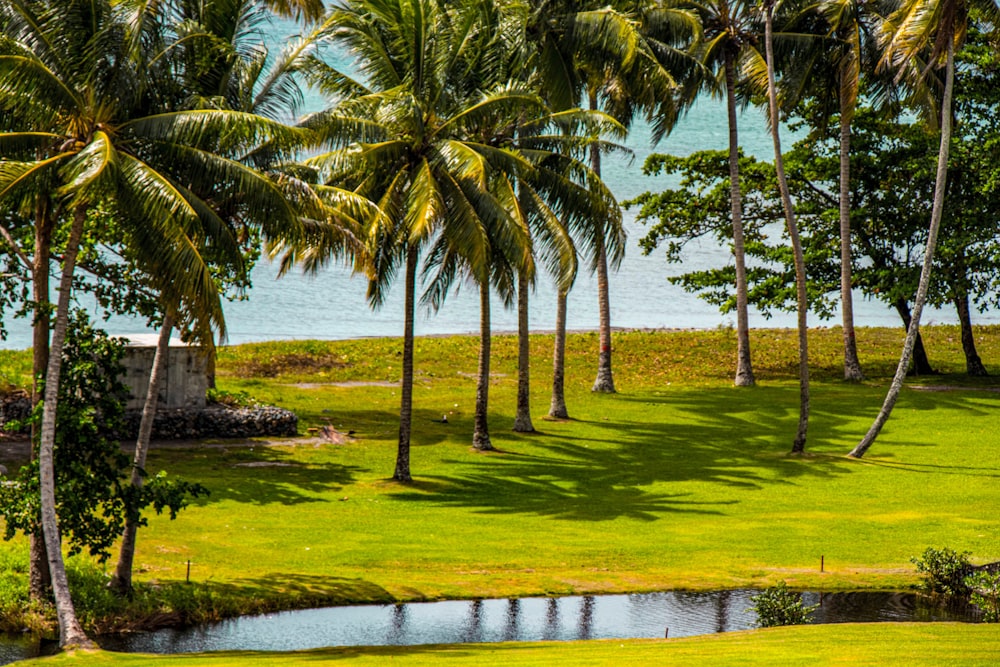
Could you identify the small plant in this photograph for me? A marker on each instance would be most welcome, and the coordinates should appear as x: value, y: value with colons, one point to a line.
x: 985, y: 593
x: 231, y: 399
x: 779, y: 606
x: 945, y: 571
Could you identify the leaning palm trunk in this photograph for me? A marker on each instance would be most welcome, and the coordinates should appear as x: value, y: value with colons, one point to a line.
x: 852, y: 366
x: 39, y: 579
x: 70, y: 632
x: 481, y: 432
x: 605, y: 381
x: 799, y: 444
x: 557, y: 408
x: 121, y: 581
x: 522, y: 419
x: 744, y: 369
x: 925, y: 271
x: 402, y: 473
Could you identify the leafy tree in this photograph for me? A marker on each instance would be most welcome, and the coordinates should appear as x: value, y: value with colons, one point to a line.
x: 93, y: 496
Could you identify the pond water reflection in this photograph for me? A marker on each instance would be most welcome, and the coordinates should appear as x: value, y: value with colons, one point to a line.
x: 648, y: 615
x: 527, y: 619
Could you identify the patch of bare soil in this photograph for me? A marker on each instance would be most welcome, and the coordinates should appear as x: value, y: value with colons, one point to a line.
x: 294, y: 362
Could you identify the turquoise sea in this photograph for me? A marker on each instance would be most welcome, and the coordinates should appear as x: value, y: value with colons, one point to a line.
x: 332, y: 305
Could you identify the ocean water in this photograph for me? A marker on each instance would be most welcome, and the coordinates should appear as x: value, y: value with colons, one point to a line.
x: 332, y: 305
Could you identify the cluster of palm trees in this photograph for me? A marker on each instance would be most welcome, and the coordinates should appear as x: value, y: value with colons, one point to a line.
x: 464, y: 144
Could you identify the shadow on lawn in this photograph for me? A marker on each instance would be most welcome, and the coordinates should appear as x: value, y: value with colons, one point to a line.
x: 306, y: 589
x: 268, y: 475
x: 719, y: 439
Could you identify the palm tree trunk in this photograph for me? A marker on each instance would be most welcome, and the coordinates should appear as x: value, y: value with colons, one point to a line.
x: 605, y: 381
x: 481, y: 432
x: 925, y: 272
x: 121, y: 581
x: 799, y: 444
x: 70, y: 631
x: 557, y: 407
x: 852, y: 365
x: 921, y: 362
x: 39, y: 579
x: 973, y: 364
x: 744, y: 369
x: 522, y: 420
x: 402, y: 473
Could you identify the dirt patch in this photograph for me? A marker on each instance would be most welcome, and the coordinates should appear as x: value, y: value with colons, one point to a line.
x: 294, y: 362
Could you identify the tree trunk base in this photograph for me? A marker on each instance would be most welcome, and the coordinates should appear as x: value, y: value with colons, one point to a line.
x: 559, y: 413
x: 522, y: 424
x: 975, y: 368
x: 482, y: 443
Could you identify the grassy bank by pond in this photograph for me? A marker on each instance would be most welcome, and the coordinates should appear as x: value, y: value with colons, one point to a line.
x: 911, y: 644
x: 678, y: 481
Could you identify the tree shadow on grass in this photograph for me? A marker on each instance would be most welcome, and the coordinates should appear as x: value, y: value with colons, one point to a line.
x: 310, y: 590
x: 267, y: 475
x: 727, y: 442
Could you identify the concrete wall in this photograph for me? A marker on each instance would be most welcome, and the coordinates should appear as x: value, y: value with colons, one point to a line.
x: 186, y: 381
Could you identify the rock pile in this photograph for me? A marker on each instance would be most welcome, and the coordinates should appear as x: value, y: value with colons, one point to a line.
x: 213, y: 421
x: 217, y: 421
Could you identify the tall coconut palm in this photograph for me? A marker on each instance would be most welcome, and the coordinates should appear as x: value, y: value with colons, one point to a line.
x: 914, y: 26
x: 799, y: 443
x: 74, y: 104
x: 603, y: 50
x: 730, y: 30
x: 400, y: 136
x: 832, y: 69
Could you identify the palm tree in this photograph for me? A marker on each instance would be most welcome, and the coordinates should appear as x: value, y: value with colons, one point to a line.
x: 404, y: 136
x: 843, y: 53
x: 730, y: 30
x: 798, y: 445
x: 916, y: 24
x: 603, y: 50
x: 74, y: 105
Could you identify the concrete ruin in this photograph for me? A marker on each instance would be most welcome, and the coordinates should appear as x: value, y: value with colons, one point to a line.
x: 186, y: 381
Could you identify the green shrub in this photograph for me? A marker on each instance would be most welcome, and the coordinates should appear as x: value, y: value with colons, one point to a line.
x: 945, y: 571
x: 985, y: 589
x: 779, y: 606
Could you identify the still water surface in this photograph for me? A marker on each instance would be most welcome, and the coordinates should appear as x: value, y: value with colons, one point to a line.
x: 647, y: 615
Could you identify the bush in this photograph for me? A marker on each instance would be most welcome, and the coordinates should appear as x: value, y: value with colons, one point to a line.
x: 945, y: 571
x: 779, y: 606
x: 985, y: 589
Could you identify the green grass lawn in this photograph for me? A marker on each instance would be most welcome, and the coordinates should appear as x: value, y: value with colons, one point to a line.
x: 679, y: 481
x: 912, y: 644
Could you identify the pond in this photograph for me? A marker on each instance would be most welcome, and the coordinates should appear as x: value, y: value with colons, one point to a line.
x: 649, y: 615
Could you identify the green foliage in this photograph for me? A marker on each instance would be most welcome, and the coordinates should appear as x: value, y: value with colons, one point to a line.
x: 232, y: 399
x: 985, y: 593
x: 945, y: 571
x: 93, y: 489
x: 779, y: 606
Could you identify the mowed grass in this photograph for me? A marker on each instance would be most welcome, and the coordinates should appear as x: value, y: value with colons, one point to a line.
x: 679, y: 481
x: 913, y: 645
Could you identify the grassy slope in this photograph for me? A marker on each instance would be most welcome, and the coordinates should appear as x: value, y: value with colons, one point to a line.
x: 679, y: 481
x: 914, y: 645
